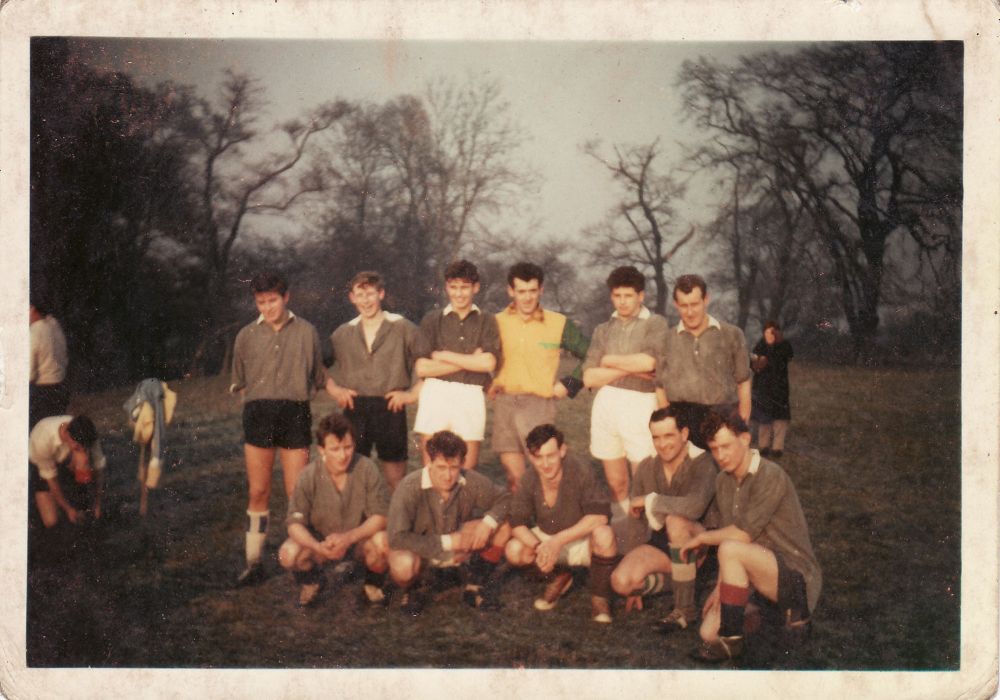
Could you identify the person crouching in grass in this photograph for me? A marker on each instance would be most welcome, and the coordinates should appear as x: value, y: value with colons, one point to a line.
x: 445, y: 518
x: 764, y: 547
x: 559, y: 517
x: 337, y: 513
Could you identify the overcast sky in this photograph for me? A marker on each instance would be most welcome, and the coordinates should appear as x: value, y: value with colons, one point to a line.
x: 561, y: 93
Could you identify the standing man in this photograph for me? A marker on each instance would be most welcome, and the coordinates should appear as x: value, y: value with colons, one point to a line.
x: 373, y: 358
x: 526, y: 387
x: 764, y: 546
x: 337, y: 512
x: 621, y: 364
x: 559, y: 519
x: 707, y: 365
x: 444, y: 517
x: 462, y: 345
x: 277, y: 367
x: 674, y: 490
x: 47, y: 391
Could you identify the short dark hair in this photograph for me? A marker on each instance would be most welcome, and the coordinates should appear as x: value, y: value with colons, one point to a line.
x: 540, y: 435
x: 626, y: 276
x: 39, y: 300
x: 366, y: 278
x: 525, y: 271
x: 445, y: 443
x: 715, y: 421
x: 771, y: 323
x: 668, y: 412
x: 268, y: 281
x: 336, y: 424
x: 688, y: 283
x: 82, y: 430
x: 461, y: 270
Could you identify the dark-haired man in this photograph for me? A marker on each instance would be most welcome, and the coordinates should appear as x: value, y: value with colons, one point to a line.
x: 621, y: 364
x: 706, y: 366
x: 337, y: 512
x: 461, y: 346
x: 526, y: 388
x: 672, y: 492
x: 444, y: 517
x: 372, y: 372
x: 66, y: 466
x: 559, y: 519
x: 763, y: 539
x: 277, y: 368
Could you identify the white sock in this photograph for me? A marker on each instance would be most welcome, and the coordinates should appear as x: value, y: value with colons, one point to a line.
x: 256, y: 534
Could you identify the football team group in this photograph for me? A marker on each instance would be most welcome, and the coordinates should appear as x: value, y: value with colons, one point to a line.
x: 684, y: 504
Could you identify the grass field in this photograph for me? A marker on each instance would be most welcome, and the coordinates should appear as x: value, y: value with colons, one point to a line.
x: 875, y: 456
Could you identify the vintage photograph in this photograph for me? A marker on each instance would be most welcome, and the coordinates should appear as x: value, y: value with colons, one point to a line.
x: 516, y: 354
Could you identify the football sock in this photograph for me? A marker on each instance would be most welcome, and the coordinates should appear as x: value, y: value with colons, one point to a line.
x: 492, y: 554
x: 682, y: 578
x: 653, y: 583
x: 734, y: 600
x: 600, y: 574
x: 256, y: 534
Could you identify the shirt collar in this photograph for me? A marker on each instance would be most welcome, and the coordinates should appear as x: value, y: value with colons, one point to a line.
x: 447, y: 310
x: 644, y: 313
x: 754, y: 462
x: 538, y: 315
x: 291, y: 317
x: 712, y: 323
x: 425, y: 478
x: 386, y: 315
x: 694, y: 451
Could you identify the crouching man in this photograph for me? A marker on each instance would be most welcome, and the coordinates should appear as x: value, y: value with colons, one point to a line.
x: 559, y: 519
x: 337, y: 513
x: 764, y: 547
x: 673, y: 493
x: 444, y: 517
x: 66, y: 469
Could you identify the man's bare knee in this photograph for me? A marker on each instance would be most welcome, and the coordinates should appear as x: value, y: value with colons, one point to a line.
x: 602, y: 541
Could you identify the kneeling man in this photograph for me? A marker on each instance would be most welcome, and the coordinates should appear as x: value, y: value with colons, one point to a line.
x: 675, y: 490
x: 443, y: 517
x: 337, y: 512
x: 763, y: 541
x: 559, y: 519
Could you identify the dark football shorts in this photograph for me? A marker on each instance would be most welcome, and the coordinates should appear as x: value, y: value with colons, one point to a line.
x: 659, y: 539
x: 379, y: 427
x: 791, y: 595
x: 270, y: 423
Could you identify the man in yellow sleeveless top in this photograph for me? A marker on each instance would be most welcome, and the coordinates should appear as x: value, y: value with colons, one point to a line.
x: 526, y: 388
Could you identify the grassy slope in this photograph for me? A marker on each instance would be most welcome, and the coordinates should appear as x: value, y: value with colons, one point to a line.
x: 874, y: 455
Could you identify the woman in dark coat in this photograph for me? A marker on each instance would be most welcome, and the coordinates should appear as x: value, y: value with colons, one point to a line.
x: 771, y: 410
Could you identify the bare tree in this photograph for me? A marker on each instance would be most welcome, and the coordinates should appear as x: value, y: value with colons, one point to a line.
x: 865, y: 137
x: 642, y: 228
x: 232, y: 183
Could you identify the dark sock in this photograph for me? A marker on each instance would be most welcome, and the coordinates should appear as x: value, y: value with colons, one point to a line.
x: 734, y: 600
x: 600, y: 574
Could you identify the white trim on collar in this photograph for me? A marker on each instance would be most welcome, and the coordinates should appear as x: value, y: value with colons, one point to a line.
x: 713, y: 322
x: 386, y: 315
x: 425, y: 478
x: 447, y: 310
x: 694, y: 451
x: 644, y: 313
x: 754, y: 462
x: 260, y: 319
